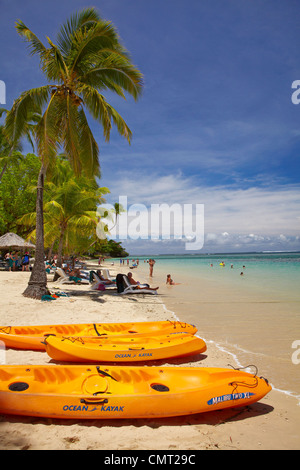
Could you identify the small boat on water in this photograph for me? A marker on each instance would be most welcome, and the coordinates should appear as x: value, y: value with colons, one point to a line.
x: 122, y: 349
x: 31, y: 337
x: 93, y: 392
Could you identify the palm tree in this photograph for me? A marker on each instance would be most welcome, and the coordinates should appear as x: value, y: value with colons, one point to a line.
x: 108, y: 219
x: 69, y: 209
x: 87, y: 59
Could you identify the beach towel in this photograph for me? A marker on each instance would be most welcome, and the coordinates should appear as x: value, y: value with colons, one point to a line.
x: 76, y: 279
x: 47, y: 298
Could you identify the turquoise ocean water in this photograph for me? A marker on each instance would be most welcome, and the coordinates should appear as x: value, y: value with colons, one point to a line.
x: 254, y: 316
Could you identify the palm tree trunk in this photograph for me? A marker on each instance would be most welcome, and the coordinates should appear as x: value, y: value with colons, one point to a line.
x: 50, y: 253
x: 60, y: 247
x: 6, y: 164
x: 3, y: 170
x: 37, y: 285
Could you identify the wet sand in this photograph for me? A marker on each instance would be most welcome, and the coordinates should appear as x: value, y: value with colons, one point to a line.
x: 272, y: 423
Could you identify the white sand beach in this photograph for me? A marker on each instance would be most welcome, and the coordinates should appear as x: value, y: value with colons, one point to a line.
x: 272, y: 423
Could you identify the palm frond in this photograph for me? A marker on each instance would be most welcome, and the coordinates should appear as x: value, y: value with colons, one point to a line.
x: 113, y: 70
x: 48, y: 133
x: 96, y: 105
x: 28, y: 219
x: 2, y: 111
x: 119, y: 122
x: 35, y: 45
x: 70, y: 133
x: 23, y: 111
x: 89, y: 150
x: 87, y: 43
x: 85, y: 18
x: 54, y: 211
x: 104, y: 113
x: 54, y: 65
x: 87, y: 220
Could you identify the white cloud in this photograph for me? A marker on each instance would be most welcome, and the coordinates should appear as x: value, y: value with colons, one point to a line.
x: 254, y: 213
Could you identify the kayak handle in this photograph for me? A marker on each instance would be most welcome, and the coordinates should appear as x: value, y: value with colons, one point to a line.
x: 45, y: 338
x: 87, y: 402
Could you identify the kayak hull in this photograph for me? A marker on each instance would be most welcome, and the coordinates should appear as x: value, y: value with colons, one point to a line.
x: 93, y: 392
x: 120, y: 349
x: 31, y: 337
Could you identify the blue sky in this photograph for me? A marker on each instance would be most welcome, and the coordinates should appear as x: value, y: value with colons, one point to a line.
x: 215, y: 124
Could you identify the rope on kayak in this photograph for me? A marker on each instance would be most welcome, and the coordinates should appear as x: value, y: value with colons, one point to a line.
x: 246, y: 367
x: 102, y: 372
x: 98, y: 334
x: 6, y: 329
x: 183, y: 325
x: 235, y: 384
x: 73, y: 339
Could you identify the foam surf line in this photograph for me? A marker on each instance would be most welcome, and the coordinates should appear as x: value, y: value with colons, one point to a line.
x: 235, y: 357
x: 206, y: 341
x: 171, y: 312
x: 286, y: 392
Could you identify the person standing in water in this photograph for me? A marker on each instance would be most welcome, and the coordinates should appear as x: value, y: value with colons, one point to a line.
x: 151, y: 266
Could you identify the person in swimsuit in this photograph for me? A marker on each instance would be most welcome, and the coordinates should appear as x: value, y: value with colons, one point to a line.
x: 170, y: 281
x: 151, y: 266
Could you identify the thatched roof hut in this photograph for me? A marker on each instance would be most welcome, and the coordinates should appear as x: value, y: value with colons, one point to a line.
x: 13, y: 241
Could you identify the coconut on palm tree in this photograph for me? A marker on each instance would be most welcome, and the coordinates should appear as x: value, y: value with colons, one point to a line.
x: 87, y: 59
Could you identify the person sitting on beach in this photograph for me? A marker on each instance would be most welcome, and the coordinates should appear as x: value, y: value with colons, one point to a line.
x: 138, y: 284
x: 135, y: 283
x: 75, y: 275
x: 102, y: 278
x: 170, y: 281
x: 105, y: 282
x: 50, y: 267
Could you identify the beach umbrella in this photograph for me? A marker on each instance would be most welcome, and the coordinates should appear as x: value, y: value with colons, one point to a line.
x: 12, y: 240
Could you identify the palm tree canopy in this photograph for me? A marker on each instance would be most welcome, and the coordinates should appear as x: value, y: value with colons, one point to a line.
x: 87, y: 59
x: 70, y: 204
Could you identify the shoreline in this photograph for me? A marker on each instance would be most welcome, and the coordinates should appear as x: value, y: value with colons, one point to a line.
x: 245, y: 314
x: 236, y: 428
x: 238, y: 364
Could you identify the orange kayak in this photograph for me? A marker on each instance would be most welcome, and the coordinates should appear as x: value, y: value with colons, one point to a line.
x: 93, y: 392
x: 119, y: 349
x: 31, y: 337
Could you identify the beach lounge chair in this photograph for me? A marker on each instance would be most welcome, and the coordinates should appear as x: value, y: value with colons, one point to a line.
x: 98, y: 282
x: 65, y: 279
x: 124, y: 286
x: 107, y: 275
